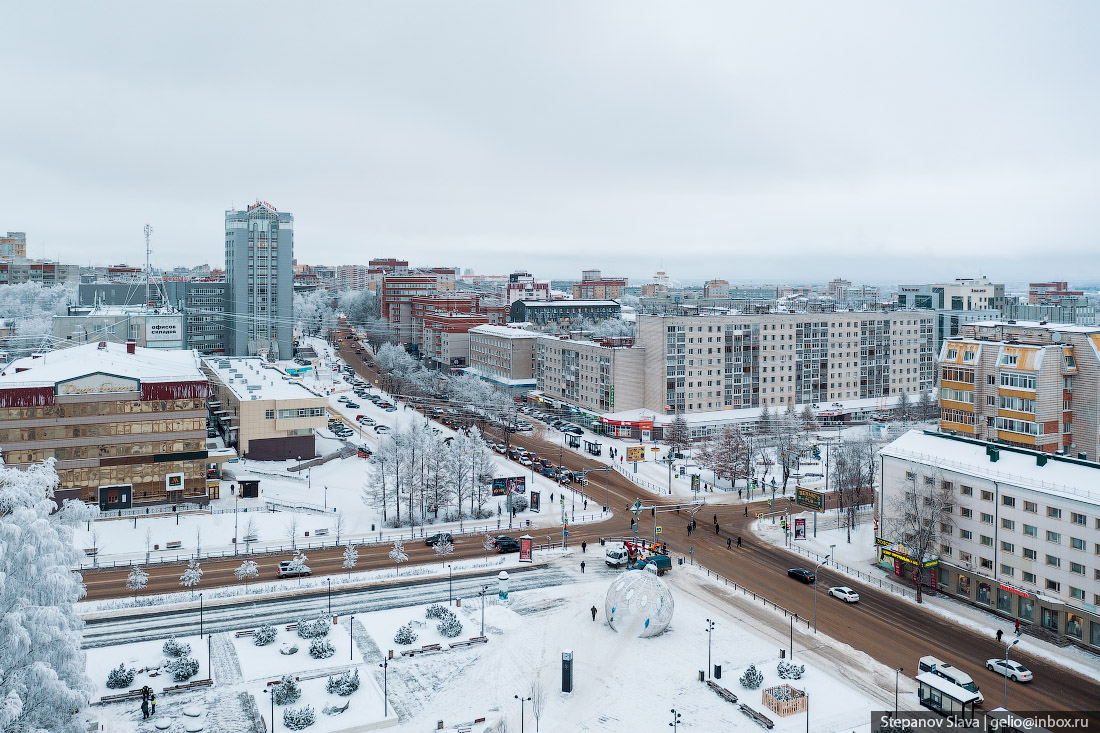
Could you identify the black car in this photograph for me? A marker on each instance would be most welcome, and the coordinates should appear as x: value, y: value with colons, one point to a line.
x: 439, y: 538
x: 806, y: 576
x: 506, y: 544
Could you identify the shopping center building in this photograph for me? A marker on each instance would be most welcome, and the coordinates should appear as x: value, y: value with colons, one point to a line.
x: 126, y: 425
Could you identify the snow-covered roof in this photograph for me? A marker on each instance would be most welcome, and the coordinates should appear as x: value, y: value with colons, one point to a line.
x: 1069, y: 478
x: 251, y: 376
x: 749, y: 414
x: 568, y: 302
x: 507, y: 332
x: 1063, y: 327
x: 147, y: 365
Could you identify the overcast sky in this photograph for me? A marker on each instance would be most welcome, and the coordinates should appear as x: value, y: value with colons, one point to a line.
x: 765, y: 140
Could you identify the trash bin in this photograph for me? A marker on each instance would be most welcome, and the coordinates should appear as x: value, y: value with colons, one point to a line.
x: 679, y: 561
x: 602, y: 542
x: 782, y: 653
x: 528, y: 522
x: 718, y: 671
x: 702, y: 674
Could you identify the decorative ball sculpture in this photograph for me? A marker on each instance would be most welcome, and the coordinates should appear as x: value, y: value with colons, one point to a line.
x: 639, y: 604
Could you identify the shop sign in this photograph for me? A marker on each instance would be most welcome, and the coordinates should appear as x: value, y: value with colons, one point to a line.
x: 98, y: 383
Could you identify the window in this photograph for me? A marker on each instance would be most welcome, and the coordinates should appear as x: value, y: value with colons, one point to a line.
x: 987, y: 541
x: 1054, y: 537
x: 1069, y: 361
x: 987, y: 518
x: 1077, y: 544
x: 987, y: 495
x: 1054, y: 513
x: 988, y: 564
x: 1008, y: 501
x: 1030, y: 554
x: 1008, y: 547
x: 1030, y: 506
x: 1007, y: 570
x: 1076, y: 567
x: 1054, y: 562
x: 1008, y: 524
x: 1078, y: 518
x: 1019, y: 404
x: 1018, y: 381
x: 967, y: 490
x: 1056, y: 587
x: 945, y: 550
x: 909, y: 475
x: 1028, y: 577
x: 952, y: 354
x: 965, y: 534
x: 1031, y: 530
x: 1010, y: 425
x: 966, y: 513
x: 269, y: 414
x: 1008, y: 360
x: 957, y: 395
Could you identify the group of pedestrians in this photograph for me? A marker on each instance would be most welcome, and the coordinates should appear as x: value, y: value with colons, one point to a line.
x: 148, y: 702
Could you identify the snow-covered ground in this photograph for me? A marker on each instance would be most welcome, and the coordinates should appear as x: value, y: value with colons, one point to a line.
x: 620, y: 683
x: 148, y: 659
x: 859, y: 556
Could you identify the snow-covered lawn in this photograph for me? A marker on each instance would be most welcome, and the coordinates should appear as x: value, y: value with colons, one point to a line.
x: 382, y: 626
x: 365, y: 708
x: 146, y: 657
x: 266, y: 662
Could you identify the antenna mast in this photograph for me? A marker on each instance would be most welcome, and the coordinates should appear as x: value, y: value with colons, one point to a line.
x: 148, y: 249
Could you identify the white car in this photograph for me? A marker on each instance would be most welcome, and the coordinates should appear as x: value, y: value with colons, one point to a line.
x: 845, y: 594
x: 524, y: 460
x: 1013, y: 670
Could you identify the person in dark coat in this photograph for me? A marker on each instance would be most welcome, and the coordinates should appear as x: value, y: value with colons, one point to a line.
x: 582, y: 567
x: 738, y: 540
x: 999, y: 634
x: 584, y: 546
x: 152, y: 703
x: 593, y: 613
x: 729, y: 543
x: 716, y: 528
x: 144, y: 709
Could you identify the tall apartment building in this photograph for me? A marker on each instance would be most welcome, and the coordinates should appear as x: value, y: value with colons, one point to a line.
x: 13, y: 245
x: 1024, y: 383
x: 504, y: 355
x: 22, y: 270
x: 594, y: 286
x: 1052, y: 293
x: 523, y: 286
x: 352, y: 277
x: 259, y: 268
x: 591, y: 376
x: 705, y: 363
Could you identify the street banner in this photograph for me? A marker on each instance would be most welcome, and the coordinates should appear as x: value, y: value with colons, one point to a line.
x: 535, y: 502
x: 509, y: 485
x: 635, y: 453
x: 800, y: 529
x: 525, y: 549
x: 813, y: 500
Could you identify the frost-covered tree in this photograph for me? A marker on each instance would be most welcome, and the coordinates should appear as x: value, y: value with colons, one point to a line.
x: 397, y: 554
x: 678, y: 435
x: 287, y: 691
x: 292, y: 522
x: 752, y: 679
x: 360, y: 306
x: 313, y: 311
x: 321, y: 649
x: 298, y: 565
x: 31, y: 307
x: 443, y: 549
x: 538, y: 700
x: 191, y: 576
x: 137, y: 580
x: 351, y: 557
x: 248, y: 570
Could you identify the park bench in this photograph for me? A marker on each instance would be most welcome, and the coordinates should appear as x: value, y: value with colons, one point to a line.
x: 759, y: 718
x: 189, y: 685
x: 173, y: 545
x: 470, y: 642
x: 251, y: 537
x: 722, y: 692
x: 292, y: 626
x: 245, y: 632
x: 120, y: 696
x: 320, y: 532
x: 91, y: 551
x: 422, y: 650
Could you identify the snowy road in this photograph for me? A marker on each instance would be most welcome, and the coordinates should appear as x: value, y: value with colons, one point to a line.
x: 156, y: 623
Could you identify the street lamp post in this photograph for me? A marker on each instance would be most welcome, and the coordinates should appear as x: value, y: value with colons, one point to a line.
x: 522, y: 700
x: 675, y: 720
x: 710, y: 630
x: 484, y: 590
x: 326, y: 497
x: 449, y: 596
x: 235, y: 535
x: 826, y: 559
x: 385, y: 665
x: 897, y: 674
x: 793, y: 617
x: 267, y: 691
x: 351, y: 635
x: 329, y: 595
x: 1008, y: 646
x: 200, y: 615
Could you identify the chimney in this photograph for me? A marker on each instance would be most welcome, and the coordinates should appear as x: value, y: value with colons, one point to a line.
x: 131, y: 346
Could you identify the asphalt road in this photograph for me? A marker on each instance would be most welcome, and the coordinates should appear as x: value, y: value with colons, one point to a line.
x: 888, y: 628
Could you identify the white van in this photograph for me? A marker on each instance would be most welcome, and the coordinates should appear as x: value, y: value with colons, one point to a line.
x: 617, y: 556
x: 952, y: 674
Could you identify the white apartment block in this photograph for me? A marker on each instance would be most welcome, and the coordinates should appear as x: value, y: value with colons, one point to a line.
x: 1023, y: 539
x: 706, y: 363
x: 354, y: 277
x: 504, y: 355
x: 593, y: 377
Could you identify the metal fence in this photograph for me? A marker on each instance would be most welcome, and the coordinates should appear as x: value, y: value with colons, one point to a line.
x: 865, y: 577
x: 148, y: 510
x: 755, y: 596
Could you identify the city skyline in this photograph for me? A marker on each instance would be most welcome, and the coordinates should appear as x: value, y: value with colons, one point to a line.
x: 682, y: 140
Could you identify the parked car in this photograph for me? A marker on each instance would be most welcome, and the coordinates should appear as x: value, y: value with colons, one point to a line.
x: 284, y: 571
x: 806, y: 576
x: 550, y: 473
x: 572, y: 430
x: 524, y: 461
x: 391, y: 408
x: 343, y: 398
x: 1013, y: 670
x: 844, y: 593
x: 352, y: 405
x: 439, y: 538
x: 381, y: 428
x: 504, y: 543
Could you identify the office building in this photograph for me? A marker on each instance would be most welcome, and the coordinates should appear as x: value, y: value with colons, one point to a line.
x: 562, y: 312
x: 1052, y: 293
x: 594, y: 286
x: 523, y: 286
x: 126, y: 425
x: 259, y: 254
x: 503, y: 355
x: 589, y: 375
x: 149, y: 328
x: 1021, y: 538
x: 22, y: 270
x: 263, y: 413
x: 965, y: 293
x: 1029, y: 384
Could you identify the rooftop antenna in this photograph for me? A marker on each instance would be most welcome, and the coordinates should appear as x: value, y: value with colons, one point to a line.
x: 148, y: 249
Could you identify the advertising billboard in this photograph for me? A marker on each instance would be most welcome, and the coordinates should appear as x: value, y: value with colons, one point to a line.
x: 813, y: 500
x: 800, y: 529
x: 164, y: 328
x: 513, y: 485
x: 536, y: 501
x: 525, y: 548
x: 635, y: 453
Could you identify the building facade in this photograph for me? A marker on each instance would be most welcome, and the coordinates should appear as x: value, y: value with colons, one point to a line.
x: 590, y: 375
x: 265, y: 414
x: 150, y: 328
x: 504, y: 355
x: 13, y: 245
x: 1021, y: 538
x: 202, y: 303
x: 523, y: 286
x: 126, y: 425
x: 259, y: 270
x: 704, y: 363
x: 21, y: 270
x: 562, y: 312
x: 1025, y: 383
x: 594, y: 286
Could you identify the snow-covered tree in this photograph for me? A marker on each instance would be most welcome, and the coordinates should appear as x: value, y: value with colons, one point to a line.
x: 191, y: 576
x: 292, y: 522
x: 299, y: 718
x: 405, y: 635
x: 360, y: 306
x: 905, y: 408
x: 351, y: 556
x: 443, y: 549
x: 137, y: 580
x: 313, y: 311
x: 752, y: 679
x: 120, y: 677
x: 344, y: 684
x: 298, y: 565
x: 287, y: 691
x: 264, y: 635
x: 31, y: 307
x: 321, y: 649
x: 397, y: 554
x: 926, y: 408
x: 248, y: 570
x: 678, y: 435
x: 488, y: 545
x: 809, y: 418
x: 919, y: 515
x: 538, y: 700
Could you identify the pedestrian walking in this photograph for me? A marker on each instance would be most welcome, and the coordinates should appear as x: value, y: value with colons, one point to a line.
x: 145, y: 692
x: 999, y: 632
x: 739, y: 493
x: 738, y: 540
x: 582, y: 567
x: 593, y: 613
x: 551, y: 497
x: 746, y: 510
x: 584, y: 546
x: 152, y: 703
x: 586, y: 504
x: 716, y: 519
x: 1017, y: 627
x: 729, y: 543
x: 144, y: 709
x: 716, y: 528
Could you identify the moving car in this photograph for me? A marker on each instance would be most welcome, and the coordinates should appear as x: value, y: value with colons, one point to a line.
x: 806, y: 576
x: 1013, y: 670
x: 504, y: 543
x: 952, y: 674
x: 284, y: 571
x: 524, y: 461
x: 439, y: 538
x: 844, y: 593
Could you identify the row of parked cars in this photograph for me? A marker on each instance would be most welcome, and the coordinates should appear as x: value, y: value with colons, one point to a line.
x: 552, y: 420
